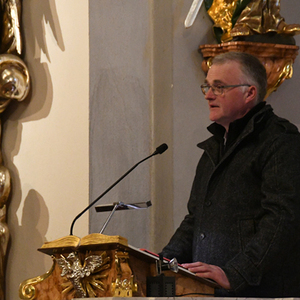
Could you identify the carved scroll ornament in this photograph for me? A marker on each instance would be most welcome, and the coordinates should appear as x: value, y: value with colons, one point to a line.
x: 14, y: 85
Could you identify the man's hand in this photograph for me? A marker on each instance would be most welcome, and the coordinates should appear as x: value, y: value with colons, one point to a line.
x: 209, y: 271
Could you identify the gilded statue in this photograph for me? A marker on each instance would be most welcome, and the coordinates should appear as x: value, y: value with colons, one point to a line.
x: 14, y: 85
x: 221, y: 12
x: 240, y: 18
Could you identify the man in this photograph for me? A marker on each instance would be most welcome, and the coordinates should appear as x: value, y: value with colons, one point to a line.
x: 243, y: 225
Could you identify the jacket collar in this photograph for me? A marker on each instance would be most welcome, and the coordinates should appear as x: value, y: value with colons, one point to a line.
x: 238, y: 130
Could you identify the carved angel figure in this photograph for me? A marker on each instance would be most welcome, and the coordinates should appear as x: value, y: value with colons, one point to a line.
x: 73, y: 269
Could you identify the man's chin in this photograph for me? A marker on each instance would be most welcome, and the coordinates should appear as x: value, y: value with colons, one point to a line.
x: 213, y: 117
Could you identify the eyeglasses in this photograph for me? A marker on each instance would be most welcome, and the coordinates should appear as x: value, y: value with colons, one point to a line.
x: 218, y: 89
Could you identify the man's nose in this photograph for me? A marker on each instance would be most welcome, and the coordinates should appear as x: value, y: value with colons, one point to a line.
x: 210, y: 95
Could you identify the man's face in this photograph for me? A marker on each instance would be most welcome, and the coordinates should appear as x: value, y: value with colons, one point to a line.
x: 234, y: 103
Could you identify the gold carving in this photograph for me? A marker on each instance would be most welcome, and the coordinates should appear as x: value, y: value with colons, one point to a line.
x: 14, y: 85
x: 124, y: 288
x: 221, y: 12
x: 84, y: 278
x: 27, y: 289
x: 240, y: 18
x: 11, y: 40
x: 14, y: 80
x: 124, y: 285
x: 261, y: 17
x: 285, y: 72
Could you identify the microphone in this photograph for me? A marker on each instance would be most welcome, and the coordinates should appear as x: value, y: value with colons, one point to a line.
x: 159, y: 150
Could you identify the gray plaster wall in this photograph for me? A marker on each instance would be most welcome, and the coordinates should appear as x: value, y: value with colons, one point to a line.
x: 145, y: 76
x: 119, y: 111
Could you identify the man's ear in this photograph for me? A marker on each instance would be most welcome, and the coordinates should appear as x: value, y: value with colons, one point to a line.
x: 251, y: 94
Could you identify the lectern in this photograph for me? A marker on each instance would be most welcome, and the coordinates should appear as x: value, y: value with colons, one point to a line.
x: 103, y: 266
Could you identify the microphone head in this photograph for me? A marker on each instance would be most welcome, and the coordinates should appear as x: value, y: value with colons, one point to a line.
x: 161, y: 149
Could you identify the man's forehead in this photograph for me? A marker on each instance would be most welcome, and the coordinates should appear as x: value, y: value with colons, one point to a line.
x: 222, y: 73
x: 215, y: 81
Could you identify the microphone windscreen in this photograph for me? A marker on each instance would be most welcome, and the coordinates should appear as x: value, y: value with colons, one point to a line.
x: 161, y: 149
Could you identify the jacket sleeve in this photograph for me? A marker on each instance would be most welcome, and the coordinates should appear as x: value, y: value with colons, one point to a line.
x: 278, y: 228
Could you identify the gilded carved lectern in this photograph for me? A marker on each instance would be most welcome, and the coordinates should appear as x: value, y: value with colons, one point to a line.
x: 104, y: 266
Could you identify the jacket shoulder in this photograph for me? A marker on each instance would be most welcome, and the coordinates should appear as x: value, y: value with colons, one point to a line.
x: 277, y: 126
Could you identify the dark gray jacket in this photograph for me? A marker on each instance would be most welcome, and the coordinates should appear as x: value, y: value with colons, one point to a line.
x: 244, y: 209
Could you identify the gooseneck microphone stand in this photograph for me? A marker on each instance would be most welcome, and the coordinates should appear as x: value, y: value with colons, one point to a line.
x: 159, y: 150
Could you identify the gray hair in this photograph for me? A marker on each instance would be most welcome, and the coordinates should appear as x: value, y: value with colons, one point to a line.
x: 251, y: 67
